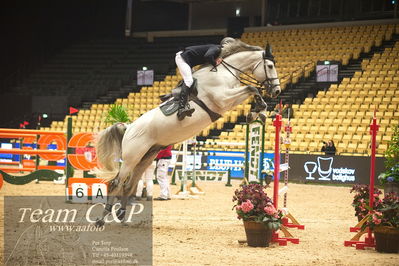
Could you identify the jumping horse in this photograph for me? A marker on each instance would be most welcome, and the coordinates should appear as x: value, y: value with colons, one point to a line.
x: 125, y: 151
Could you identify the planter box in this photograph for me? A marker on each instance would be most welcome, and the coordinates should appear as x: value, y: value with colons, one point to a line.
x: 258, y: 235
x: 386, y: 239
x: 391, y: 187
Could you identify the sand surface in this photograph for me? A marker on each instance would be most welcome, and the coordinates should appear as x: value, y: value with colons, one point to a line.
x: 205, y: 231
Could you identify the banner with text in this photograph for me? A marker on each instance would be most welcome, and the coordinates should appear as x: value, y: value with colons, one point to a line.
x: 333, y: 169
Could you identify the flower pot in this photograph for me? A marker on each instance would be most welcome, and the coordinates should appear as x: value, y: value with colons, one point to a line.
x: 386, y: 239
x: 258, y: 235
x: 391, y: 187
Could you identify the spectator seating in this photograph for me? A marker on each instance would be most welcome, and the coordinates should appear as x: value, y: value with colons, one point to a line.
x: 342, y: 113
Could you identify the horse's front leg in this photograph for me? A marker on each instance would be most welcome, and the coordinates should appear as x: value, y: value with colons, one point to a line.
x: 107, y: 210
x: 110, y: 201
x: 259, y: 109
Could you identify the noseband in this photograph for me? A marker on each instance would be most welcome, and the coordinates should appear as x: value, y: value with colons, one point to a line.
x: 268, y: 82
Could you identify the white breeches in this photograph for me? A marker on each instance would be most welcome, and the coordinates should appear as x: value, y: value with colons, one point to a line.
x: 147, y: 177
x: 162, y: 177
x: 185, y: 70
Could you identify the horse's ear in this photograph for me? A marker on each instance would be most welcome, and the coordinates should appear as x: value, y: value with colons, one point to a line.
x: 268, y: 51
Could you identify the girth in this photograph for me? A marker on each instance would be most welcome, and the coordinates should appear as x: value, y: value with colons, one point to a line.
x: 214, y: 116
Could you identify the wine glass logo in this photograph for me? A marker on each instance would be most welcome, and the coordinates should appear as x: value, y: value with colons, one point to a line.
x: 325, y: 168
x: 310, y: 168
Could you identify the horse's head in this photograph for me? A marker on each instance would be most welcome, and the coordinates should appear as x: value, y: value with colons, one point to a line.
x: 265, y: 71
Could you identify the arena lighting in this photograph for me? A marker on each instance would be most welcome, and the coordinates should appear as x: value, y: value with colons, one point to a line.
x: 44, y: 115
x: 145, y: 68
x: 326, y: 62
x: 238, y: 12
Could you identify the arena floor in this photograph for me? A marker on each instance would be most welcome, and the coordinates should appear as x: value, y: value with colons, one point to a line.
x: 205, y: 231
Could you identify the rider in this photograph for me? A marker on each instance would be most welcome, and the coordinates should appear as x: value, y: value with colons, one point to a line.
x: 188, y: 58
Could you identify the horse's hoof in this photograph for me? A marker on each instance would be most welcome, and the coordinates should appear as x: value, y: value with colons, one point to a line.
x: 250, y: 118
x: 120, y: 214
x: 262, y: 118
x: 99, y: 223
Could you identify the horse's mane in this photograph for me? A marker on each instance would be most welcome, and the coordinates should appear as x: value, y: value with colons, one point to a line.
x: 233, y: 48
x: 237, y: 46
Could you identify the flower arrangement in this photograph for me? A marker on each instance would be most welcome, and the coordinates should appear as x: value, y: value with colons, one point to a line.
x: 361, y: 200
x: 253, y: 204
x: 387, y: 214
x: 391, y: 175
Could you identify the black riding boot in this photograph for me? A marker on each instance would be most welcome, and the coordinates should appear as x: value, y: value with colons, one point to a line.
x: 184, y: 107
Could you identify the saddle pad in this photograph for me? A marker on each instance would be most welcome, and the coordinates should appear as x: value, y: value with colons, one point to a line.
x: 170, y: 107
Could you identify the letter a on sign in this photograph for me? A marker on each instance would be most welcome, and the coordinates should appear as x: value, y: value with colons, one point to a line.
x: 99, y: 192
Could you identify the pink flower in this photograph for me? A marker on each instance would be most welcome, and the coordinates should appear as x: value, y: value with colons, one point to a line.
x: 238, y: 208
x: 270, y: 210
x: 247, y: 206
x: 376, y: 220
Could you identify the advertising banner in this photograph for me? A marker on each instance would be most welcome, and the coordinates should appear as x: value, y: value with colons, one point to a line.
x: 305, y: 168
x: 332, y: 169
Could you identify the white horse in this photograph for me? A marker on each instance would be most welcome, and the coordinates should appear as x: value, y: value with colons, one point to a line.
x: 138, y: 143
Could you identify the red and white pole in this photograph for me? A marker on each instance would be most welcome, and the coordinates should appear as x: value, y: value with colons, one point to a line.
x: 277, y: 123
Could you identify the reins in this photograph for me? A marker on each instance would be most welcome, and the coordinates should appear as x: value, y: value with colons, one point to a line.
x: 249, y: 80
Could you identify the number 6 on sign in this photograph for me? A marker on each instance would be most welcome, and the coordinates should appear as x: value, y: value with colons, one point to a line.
x: 79, y: 192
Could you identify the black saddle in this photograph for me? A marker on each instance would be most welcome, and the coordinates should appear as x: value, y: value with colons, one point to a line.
x: 170, y: 102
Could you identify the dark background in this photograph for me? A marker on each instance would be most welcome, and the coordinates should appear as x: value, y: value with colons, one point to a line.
x: 34, y: 31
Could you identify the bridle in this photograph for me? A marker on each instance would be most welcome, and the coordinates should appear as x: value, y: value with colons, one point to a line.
x: 248, y: 80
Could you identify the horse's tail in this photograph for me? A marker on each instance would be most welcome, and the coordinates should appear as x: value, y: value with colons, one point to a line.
x: 109, y: 150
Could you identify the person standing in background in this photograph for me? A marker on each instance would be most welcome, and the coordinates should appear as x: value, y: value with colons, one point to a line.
x: 163, y: 160
x: 287, y: 112
x: 147, y: 177
x: 329, y: 148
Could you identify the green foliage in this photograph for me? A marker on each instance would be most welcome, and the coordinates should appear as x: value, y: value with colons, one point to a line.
x: 392, y: 152
x: 117, y: 114
x: 391, y: 160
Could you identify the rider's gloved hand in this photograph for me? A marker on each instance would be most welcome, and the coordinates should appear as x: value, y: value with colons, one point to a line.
x: 218, y: 61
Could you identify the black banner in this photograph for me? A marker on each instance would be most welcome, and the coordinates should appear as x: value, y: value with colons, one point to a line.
x: 333, y: 169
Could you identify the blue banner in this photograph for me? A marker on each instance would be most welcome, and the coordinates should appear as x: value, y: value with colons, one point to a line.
x: 226, y: 162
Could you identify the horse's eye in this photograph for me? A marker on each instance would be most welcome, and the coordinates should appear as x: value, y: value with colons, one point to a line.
x: 270, y: 66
